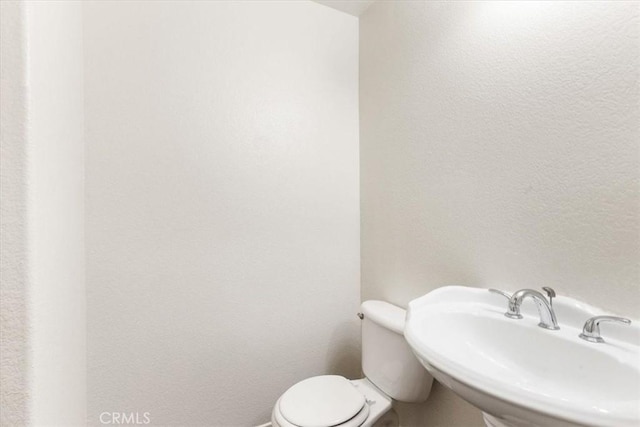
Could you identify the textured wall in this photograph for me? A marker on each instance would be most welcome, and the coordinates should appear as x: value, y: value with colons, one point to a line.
x: 222, y: 205
x: 499, y: 147
x: 42, y: 363
x: 13, y: 215
x: 57, y: 340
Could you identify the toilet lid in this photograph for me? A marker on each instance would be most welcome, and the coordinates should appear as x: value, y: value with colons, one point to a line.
x: 327, y: 400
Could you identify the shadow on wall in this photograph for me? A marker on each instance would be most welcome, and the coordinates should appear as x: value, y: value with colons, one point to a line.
x: 437, y: 410
x: 343, y: 353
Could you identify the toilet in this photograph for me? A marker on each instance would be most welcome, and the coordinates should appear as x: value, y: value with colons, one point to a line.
x: 391, y: 373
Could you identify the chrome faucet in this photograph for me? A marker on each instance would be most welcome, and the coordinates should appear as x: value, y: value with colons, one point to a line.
x: 545, y: 309
x: 591, y: 329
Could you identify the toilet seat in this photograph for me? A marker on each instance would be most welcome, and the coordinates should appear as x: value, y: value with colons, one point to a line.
x: 323, y: 401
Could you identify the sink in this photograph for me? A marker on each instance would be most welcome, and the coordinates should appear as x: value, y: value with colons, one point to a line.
x: 519, y: 374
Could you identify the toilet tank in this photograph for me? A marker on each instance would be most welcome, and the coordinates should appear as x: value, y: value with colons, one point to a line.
x: 387, y: 359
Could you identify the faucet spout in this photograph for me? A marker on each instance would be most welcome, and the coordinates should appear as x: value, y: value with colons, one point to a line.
x: 545, y: 310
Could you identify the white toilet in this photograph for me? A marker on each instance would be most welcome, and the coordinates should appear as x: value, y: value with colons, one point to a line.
x: 391, y: 372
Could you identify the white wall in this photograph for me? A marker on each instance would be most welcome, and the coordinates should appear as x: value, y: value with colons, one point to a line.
x: 499, y: 147
x: 14, y: 272
x: 56, y: 140
x: 43, y: 318
x: 222, y: 205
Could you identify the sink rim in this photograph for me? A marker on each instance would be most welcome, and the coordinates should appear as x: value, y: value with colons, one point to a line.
x: 503, y: 390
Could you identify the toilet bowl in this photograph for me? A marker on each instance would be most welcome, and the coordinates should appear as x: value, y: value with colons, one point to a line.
x: 330, y: 400
x: 391, y: 373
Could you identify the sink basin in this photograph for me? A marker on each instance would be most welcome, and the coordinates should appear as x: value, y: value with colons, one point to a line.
x: 519, y: 374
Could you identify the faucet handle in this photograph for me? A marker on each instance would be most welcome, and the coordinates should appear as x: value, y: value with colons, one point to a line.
x: 499, y: 292
x: 591, y: 329
x: 512, y: 312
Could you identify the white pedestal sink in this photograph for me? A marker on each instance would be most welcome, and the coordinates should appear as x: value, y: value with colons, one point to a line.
x: 519, y: 374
